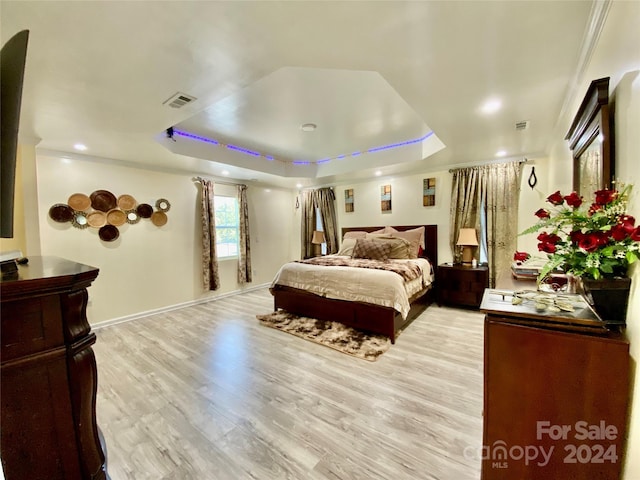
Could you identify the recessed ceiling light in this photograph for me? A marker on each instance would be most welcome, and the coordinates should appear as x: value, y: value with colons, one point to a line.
x: 80, y: 147
x: 267, y: 190
x: 298, y: 185
x: 225, y: 172
x: 491, y: 106
x: 378, y: 173
x: 308, y: 127
x: 500, y: 153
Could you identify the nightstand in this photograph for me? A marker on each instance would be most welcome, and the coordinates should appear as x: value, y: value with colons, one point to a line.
x: 461, y: 286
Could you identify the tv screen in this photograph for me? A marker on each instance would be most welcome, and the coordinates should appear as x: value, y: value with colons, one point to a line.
x: 12, y: 61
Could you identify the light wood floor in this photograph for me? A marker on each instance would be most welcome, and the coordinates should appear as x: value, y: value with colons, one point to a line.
x: 206, y: 392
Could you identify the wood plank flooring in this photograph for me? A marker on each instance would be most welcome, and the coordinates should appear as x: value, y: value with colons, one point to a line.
x: 206, y: 392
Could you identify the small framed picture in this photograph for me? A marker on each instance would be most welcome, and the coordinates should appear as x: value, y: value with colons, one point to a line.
x: 428, y: 192
x: 385, y: 198
x: 348, y: 200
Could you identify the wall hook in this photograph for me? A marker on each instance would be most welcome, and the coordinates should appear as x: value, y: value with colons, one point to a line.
x: 533, y: 180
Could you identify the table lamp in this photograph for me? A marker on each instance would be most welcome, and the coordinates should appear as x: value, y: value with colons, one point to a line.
x: 317, y: 240
x: 467, y: 239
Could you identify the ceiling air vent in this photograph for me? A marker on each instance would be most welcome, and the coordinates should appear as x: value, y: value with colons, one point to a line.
x: 523, y: 125
x: 179, y: 100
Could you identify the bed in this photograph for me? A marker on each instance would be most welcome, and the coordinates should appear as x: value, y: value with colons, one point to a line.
x: 362, y: 315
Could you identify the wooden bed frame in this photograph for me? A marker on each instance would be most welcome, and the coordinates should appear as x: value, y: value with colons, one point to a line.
x: 363, y: 316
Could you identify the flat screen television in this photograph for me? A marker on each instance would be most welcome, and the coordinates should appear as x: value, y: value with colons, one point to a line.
x: 12, y: 62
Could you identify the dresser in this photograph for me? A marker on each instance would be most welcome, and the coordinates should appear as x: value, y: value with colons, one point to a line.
x: 556, y: 393
x: 48, y: 374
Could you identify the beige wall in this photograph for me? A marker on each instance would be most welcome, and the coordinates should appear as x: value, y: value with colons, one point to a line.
x: 406, y: 201
x: 531, y: 199
x: 617, y: 56
x: 150, y: 268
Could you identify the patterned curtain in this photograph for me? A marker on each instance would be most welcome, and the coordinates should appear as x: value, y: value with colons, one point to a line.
x: 244, y: 257
x: 211, y: 278
x: 325, y: 200
x: 308, y: 223
x: 496, y: 188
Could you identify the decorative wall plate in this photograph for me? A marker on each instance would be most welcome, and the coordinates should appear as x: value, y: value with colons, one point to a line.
x: 61, y: 212
x: 127, y: 202
x: 97, y: 219
x: 108, y: 233
x: 163, y: 205
x: 159, y: 218
x: 79, y: 202
x: 144, y: 210
x: 80, y: 220
x: 132, y: 217
x: 116, y: 217
x: 103, y: 200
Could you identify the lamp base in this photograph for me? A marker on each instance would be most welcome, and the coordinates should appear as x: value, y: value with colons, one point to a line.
x: 467, y: 255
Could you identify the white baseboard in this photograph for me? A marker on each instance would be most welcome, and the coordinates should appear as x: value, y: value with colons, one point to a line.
x: 169, y: 308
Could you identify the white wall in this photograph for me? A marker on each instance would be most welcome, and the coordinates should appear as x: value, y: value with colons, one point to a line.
x: 627, y: 118
x: 617, y: 56
x: 531, y: 199
x: 148, y: 267
x: 406, y: 202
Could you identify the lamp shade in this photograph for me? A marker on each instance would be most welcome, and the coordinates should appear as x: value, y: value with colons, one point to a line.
x: 467, y: 236
x: 318, y: 237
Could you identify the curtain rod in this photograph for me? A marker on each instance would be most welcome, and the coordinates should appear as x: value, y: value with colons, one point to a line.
x: 451, y: 170
x: 199, y: 179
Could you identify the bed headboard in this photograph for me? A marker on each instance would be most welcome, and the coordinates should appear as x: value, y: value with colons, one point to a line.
x: 430, y: 238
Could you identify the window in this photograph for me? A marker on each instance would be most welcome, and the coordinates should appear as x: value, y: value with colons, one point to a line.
x: 483, y: 257
x: 320, y: 227
x: 227, y: 226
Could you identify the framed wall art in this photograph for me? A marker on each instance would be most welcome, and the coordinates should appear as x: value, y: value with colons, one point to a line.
x: 348, y: 200
x: 385, y: 198
x: 428, y: 192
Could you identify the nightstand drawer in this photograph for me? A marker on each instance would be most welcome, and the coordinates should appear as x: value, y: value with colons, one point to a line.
x: 459, y: 285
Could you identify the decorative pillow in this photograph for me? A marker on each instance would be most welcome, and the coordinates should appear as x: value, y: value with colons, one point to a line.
x: 420, y: 230
x: 369, y: 248
x: 355, y: 234
x: 347, y: 247
x: 400, y: 248
x: 414, y: 236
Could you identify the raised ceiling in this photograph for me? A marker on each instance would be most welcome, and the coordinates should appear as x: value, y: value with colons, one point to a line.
x: 368, y: 74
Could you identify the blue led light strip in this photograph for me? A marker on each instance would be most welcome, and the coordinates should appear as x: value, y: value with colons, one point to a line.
x: 195, y: 137
x: 301, y: 162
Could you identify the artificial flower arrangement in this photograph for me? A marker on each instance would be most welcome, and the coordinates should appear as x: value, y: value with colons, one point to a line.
x: 594, y: 243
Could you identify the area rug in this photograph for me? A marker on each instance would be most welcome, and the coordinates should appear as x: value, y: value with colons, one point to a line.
x: 330, y: 334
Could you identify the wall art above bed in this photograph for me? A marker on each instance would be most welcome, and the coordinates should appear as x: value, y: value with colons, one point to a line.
x: 106, y: 212
x: 428, y: 192
x: 385, y: 198
x: 349, y: 204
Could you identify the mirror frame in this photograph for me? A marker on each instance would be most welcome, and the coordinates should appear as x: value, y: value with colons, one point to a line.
x: 593, y: 122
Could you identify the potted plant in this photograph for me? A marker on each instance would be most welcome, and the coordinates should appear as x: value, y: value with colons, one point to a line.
x: 596, y: 244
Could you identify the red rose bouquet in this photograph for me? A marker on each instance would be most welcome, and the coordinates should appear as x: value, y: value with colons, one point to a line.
x: 600, y: 241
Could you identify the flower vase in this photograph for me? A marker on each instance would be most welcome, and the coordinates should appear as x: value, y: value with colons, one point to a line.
x: 609, y: 297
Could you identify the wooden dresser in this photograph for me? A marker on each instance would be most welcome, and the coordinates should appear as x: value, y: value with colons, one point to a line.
x: 48, y: 374
x: 555, y: 395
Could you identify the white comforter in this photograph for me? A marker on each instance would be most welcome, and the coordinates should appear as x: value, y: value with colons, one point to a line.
x: 379, y: 287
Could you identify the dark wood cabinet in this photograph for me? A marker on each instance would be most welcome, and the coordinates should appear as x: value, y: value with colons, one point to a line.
x: 48, y: 374
x: 555, y: 402
x: 461, y: 286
